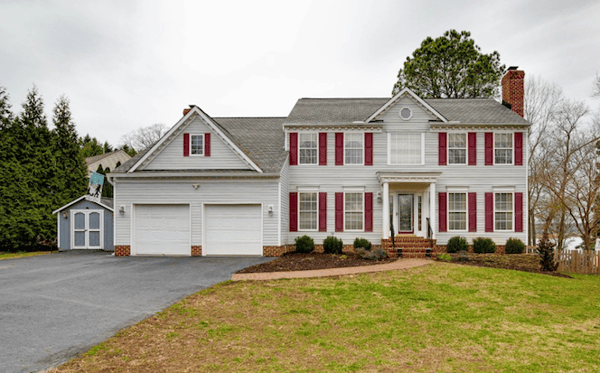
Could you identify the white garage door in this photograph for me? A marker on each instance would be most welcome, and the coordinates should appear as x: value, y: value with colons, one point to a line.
x: 233, y: 230
x: 162, y: 229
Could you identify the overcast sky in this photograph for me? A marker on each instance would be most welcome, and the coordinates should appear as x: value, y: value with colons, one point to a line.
x: 128, y: 64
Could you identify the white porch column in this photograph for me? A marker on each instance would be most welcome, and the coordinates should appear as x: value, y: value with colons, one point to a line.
x: 432, y: 220
x: 386, y: 210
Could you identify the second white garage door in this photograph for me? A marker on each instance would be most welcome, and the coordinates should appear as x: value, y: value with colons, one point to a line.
x: 233, y: 230
x: 162, y: 229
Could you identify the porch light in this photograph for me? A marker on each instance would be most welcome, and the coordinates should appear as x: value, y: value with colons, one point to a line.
x: 122, y: 210
x: 65, y: 214
x: 270, y: 209
x: 379, y: 197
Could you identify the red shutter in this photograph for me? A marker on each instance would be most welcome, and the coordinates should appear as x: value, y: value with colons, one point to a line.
x: 339, y: 149
x: 472, y: 149
x: 442, y: 207
x: 368, y: 149
x: 293, y: 148
x: 518, y: 148
x: 489, y: 212
x: 207, y: 145
x: 323, y: 149
x: 489, y: 148
x: 322, y: 212
x: 442, y: 148
x: 368, y: 212
x: 186, y: 144
x: 472, y: 212
x: 339, y: 212
x: 293, y: 212
x: 518, y: 212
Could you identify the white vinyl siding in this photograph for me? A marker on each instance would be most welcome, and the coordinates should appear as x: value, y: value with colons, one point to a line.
x: 353, y: 211
x: 406, y: 148
x: 457, y: 211
x: 503, y: 211
x: 308, y: 211
x: 457, y: 148
x: 197, y: 144
x: 503, y: 148
x: 308, y: 148
x: 354, y: 148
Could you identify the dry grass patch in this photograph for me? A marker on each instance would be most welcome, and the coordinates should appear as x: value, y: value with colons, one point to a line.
x: 22, y: 254
x: 441, y: 317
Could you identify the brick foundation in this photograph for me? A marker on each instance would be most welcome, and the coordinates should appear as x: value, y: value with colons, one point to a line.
x: 196, y: 250
x: 122, y: 250
x: 277, y: 250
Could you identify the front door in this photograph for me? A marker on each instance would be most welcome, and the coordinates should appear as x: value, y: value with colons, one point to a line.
x: 86, y: 228
x: 405, y: 213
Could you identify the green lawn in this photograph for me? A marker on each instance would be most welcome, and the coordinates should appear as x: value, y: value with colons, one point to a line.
x: 442, y: 317
x: 21, y: 254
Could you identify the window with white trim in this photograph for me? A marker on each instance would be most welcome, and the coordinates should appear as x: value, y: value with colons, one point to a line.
x: 353, y: 148
x: 503, y: 211
x: 197, y: 144
x: 308, y: 148
x: 457, y: 211
x: 353, y: 211
x: 406, y: 148
x: 503, y: 148
x: 457, y: 148
x: 308, y: 211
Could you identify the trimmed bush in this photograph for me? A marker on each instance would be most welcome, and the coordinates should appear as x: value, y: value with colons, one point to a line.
x: 305, y: 244
x: 456, y: 244
x: 482, y: 245
x: 376, y: 254
x: 514, y: 246
x: 362, y: 242
x: 333, y: 245
x: 545, y: 250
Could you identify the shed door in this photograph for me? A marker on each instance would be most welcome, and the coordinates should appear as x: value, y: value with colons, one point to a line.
x: 87, y: 230
x: 162, y: 229
x: 233, y: 230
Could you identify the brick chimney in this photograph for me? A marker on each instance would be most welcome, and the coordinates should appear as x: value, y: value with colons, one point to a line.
x: 513, y: 90
x: 185, y: 111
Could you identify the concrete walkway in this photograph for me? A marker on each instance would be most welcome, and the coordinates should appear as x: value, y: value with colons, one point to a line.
x: 399, y: 264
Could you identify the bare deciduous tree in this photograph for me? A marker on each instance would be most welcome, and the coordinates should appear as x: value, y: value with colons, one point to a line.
x: 144, y: 137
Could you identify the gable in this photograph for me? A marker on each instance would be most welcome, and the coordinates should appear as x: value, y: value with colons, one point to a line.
x: 222, y: 155
x: 419, y: 118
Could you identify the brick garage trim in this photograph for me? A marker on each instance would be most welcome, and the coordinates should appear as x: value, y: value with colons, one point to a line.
x: 197, y: 250
x: 122, y: 250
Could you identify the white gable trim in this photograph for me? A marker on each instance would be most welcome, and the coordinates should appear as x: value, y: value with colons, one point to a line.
x: 77, y: 200
x: 393, y: 100
x: 212, y: 125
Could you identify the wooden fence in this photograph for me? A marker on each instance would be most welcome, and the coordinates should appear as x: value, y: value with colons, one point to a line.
x: 587, y: 261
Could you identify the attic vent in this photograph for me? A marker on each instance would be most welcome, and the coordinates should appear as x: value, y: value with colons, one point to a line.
x: 405, y: 113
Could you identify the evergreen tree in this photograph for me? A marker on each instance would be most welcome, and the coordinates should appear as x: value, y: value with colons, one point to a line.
x: 107, y: 189
x: 90, y: 146
x: 6, y: 116
x: 71, y: 168
x: 9, y: 168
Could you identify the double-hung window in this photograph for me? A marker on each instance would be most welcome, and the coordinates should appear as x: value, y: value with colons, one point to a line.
x: 353, y: 211
x: 307, y: 145
x: 457, y: 211
x: 308, y: 211
x: 457, y: 148
x: 197, y: 144
x: 354, y: 148
x: 406, y: 148
x: 503, y: 211
x: 503, y: 148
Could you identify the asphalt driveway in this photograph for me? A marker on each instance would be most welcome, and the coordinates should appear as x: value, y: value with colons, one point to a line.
x: 53, y: 307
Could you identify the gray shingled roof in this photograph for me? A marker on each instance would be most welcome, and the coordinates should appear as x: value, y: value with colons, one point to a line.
x: 348, y: 110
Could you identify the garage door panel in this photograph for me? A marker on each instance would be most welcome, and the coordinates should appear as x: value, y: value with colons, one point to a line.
x: 162, y: 229
x: 233, y: 230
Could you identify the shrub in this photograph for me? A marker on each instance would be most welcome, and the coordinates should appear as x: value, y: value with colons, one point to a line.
x: 456, y: 244
x: 333, y: 245
x: 304, y: 244
x: 545, y: 250
x: 362, y: 242
x: 514, y: 246
x: 482, y: 245
x: 444, y: 257
x: 376, y: 254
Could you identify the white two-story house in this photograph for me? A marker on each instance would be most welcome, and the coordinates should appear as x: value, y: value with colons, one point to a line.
x: 422, y: 169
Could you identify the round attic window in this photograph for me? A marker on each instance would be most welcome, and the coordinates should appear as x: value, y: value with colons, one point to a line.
x: 405, y: 113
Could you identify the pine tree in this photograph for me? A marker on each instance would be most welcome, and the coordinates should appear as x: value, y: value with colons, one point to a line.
x: 545, y: 250
x: 6, y: 116
x: 8, y: 169
x: 90, y: 146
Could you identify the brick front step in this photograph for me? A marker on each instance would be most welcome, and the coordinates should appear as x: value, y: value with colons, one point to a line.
x: 411, y: 246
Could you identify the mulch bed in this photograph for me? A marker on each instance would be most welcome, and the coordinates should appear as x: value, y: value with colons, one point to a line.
x: 517, y: 262
x: 303, y: 262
